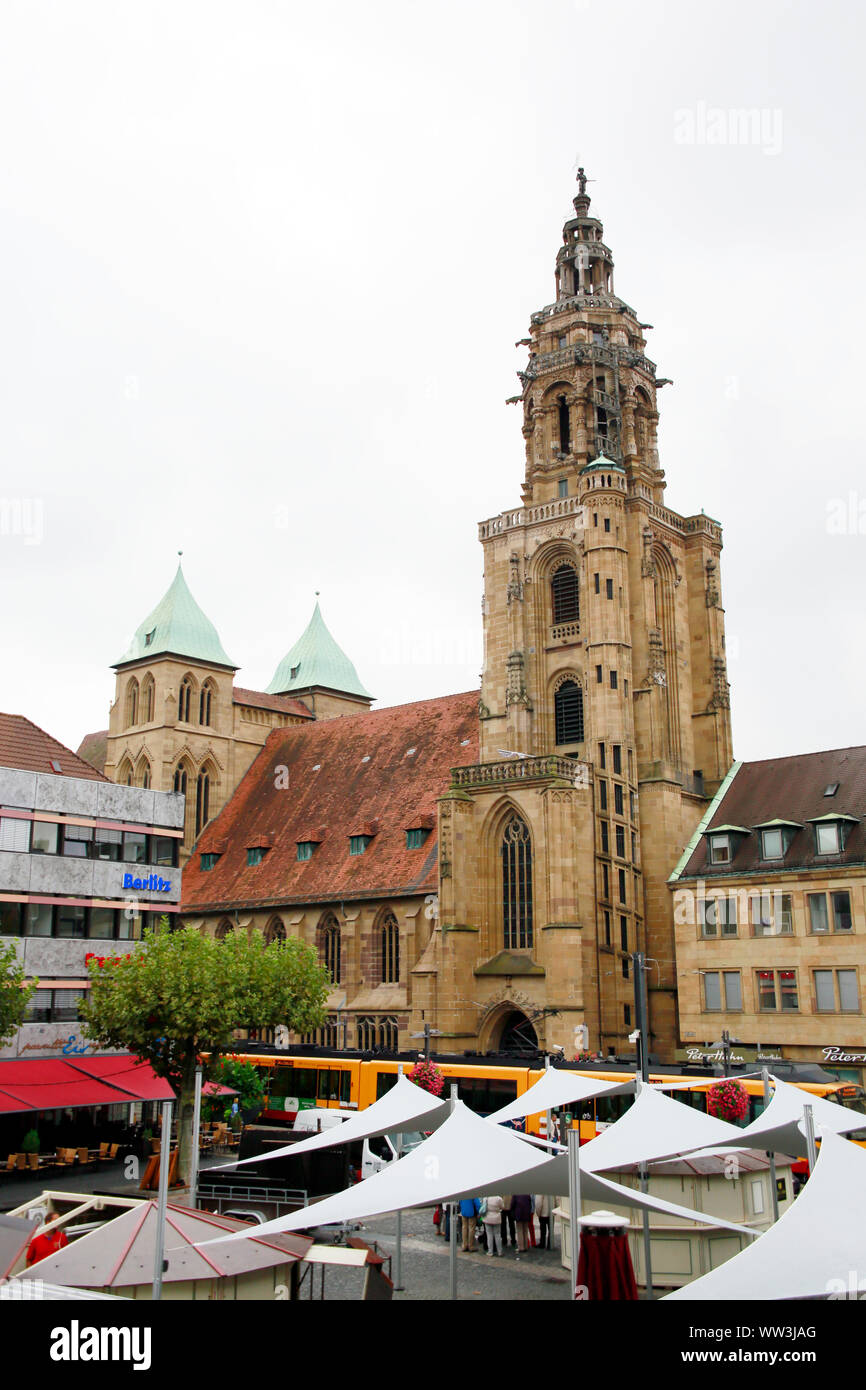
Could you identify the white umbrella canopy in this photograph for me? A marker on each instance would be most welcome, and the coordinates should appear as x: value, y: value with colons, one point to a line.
x: 466, y: 1157
x: 781, y: 1128
x: 655, y: 1127
x: 557, y: 1088
x: 812, y: 1249
x: 405, y: 1107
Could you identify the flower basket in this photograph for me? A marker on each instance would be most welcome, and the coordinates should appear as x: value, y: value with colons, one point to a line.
x: 428, y: 1076
x: 728, y: 1100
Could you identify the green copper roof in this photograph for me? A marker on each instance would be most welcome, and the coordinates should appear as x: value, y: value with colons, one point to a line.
x: 177, y: 625
x: 316, y: 660
x: 603, y: 462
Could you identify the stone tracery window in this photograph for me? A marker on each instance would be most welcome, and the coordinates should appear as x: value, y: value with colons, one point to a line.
x: 516, y: 851
x: 389, y: 944
x: 330, y: 947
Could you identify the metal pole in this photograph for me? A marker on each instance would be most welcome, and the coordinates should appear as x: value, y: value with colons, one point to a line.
x: 165, y: 1152
x: 196, y: 1127
x: 454, y: 1209
x: 811, y: 1146
x: 548, y: 1115
x: 398, y: 1253
x: 574, y: 1203
x: 640, y: 1004
x: 765, y: 1077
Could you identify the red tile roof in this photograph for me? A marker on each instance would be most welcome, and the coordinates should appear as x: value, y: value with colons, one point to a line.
x: 24, y: 745
x: 93, y: 748
x: 333, y: 791
x: 789, y: 789
x: 258, y: 699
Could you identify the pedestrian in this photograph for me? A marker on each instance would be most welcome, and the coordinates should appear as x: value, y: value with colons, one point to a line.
x: 437, y: 1220
x: 469, y: 1209
x: 506, y: 1225
x: 543, y: 1208
x: 522, y: 1208
x: 45, y: 1243
x: 492, y: 1219
x: 445, y: 1228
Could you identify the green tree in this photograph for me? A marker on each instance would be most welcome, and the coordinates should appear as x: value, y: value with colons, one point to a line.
x: 242, y: 1077
x: 182, y: 994
x: 15, y: 993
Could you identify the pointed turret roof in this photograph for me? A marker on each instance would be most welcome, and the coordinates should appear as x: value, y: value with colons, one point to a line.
x: 316, y: 661
x: 177, y: 626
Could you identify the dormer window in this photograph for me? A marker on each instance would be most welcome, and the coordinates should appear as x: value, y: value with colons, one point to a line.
x: 305, y: 850
x: 208, y: 861
x: 776, y: 837
x: 415, y: 838
x: 720, y: 849
x: 255, y: 855
x: 358, y: 843
x: 827, y: 839
x: 831, y: 832
x: 723, y: 841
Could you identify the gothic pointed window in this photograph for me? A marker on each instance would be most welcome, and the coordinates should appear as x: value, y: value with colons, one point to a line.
x: 224, y: 929
x: 202, y: 801
x: 275, y: 932
x: 330, y: 947
x: 147, y: 700
x: 564, y: 590
x: 389, y: 945
x: 132, y: 703
x: 183, y: 700
x: 568, y: 712
x: 180, y: 780
x: 516, y: 851
x: 204, y: 703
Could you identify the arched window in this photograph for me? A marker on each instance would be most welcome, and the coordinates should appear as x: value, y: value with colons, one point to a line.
x: 180, y: 779
x: 144, y: 774
x: 568, y: 710
x: 388, y: 1034
x: 517, y: 885
x: 132, y: 703
x: 275, y: 932
x: 183, y: 700
x: 124, y: 773
x: 224, y: 929
x: 564, y: 591
x: 389, y: 945
x: 147, y: 699
x: 366, y: 1034
x: 564, y: 426
x: 204, y: 703
x: 202, y: 801
x: 330, y: 947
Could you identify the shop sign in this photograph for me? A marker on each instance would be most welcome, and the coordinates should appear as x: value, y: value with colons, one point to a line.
x: 699, y: 1056
x: 837, y: 1056
x: 152, y: 884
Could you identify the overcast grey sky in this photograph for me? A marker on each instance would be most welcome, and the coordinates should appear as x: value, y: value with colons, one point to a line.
x: 263, y: 268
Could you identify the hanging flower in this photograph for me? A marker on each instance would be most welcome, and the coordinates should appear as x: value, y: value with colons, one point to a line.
x: 428, y: 1076
x: 728, y: 1100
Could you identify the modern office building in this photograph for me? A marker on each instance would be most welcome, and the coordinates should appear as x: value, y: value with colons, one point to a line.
x: 85, y: 865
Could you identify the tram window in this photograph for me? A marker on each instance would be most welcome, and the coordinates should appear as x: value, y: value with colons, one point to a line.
x: 384, y: 1082
x: 327, y: 1085
x: 611, y: 1108
x: 299, y: 1081
x: 283, y: 1081
x: 483, y: 1094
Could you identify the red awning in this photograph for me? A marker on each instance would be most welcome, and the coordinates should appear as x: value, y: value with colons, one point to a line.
x: 52, y: 1084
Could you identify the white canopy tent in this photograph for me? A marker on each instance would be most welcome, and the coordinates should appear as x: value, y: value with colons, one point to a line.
x: 781, y: 1127
x: 557, y: 1088
x: 655, y: 1127
x: 404, y: 1108
x: 813, y: 1249
x: 467, y: 1156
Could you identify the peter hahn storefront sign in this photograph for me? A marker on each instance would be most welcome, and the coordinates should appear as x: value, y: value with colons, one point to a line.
x: 736, y: 1055
x: 152, y: 884
x: 837, y: 1056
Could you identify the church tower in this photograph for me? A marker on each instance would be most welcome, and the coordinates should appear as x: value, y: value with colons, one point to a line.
x: 604, y: 710
x: 178, y: 722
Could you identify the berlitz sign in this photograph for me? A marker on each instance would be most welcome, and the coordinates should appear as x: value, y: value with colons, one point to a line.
x: 152, y: 884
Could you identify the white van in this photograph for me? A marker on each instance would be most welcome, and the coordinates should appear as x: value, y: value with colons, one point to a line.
x: 368, y: 1156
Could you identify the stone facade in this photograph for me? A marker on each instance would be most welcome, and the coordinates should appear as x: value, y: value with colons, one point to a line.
x: 212, y: 745
x: 609, y: 804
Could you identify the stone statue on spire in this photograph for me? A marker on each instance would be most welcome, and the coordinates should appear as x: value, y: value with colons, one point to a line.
x: 581, y: 180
